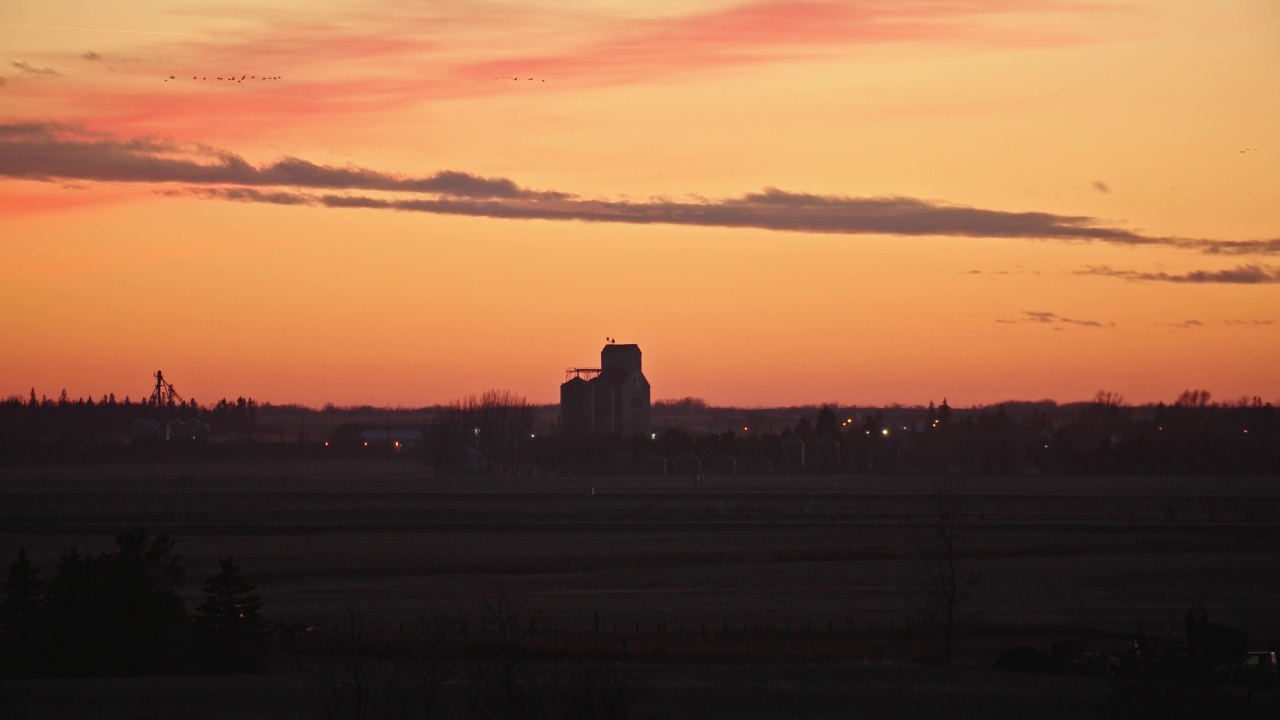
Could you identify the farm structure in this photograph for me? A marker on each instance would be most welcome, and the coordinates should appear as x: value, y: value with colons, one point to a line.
x: 613, y: 398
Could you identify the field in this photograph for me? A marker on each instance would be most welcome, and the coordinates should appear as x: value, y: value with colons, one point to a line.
x: 803, y: 584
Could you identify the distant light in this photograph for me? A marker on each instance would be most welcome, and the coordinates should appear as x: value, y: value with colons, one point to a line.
x: 397, y: 443
x: 848, y: 420
x: 884, y: 431
x: 532, y: 435
x: 1246, y: 431
x: 1046, y: 447
x: 653, y: 436
x: 477, y: 431
x: 366, y: 443
x: 868, y: 432
x: 745, y: 428
x: 326, y: 443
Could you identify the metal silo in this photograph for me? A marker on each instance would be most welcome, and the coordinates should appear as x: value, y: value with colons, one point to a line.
x: 198, y: 431
x: 576, y: 406
x: 146, y: 432
x: 175, y: 431
x: 791, y: 454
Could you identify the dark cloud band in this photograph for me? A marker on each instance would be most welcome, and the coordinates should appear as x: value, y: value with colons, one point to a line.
x: 39, y: 151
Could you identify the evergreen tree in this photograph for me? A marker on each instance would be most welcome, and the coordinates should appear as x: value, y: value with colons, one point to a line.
x: 804, y: 430
x: 229, y: 632
x: 72, y: 617
x: 144, y: 577
x: 944, y: 413
x: 828, y: 424
x: 21, y: 609
x: 118, y: 613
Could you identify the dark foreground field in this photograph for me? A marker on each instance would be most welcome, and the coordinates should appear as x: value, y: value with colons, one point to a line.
x: 744, y: 597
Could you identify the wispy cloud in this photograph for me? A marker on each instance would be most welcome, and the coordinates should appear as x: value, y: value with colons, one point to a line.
x: 1197, y: 324
x: 29, y: 69
x: 41, y: 151
x: 1101, y: 187
x: 756, y: 32
x: 1053, y: 319
x: 1018, y: 271
x: 91, y: 56
x: 1249, y: 274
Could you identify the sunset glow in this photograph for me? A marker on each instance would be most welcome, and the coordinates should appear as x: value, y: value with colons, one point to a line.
x: 781, y: 202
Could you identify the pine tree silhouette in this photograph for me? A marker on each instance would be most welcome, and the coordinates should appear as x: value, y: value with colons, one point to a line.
x: 21, y: 609
x: 229, y: 632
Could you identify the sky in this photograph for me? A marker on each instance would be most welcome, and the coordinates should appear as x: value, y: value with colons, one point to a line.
x: 404, y: 202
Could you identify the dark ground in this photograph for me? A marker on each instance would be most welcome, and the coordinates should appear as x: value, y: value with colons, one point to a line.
x: 754, y: 596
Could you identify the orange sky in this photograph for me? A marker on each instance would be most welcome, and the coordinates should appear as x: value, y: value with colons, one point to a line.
x: 781, y: 202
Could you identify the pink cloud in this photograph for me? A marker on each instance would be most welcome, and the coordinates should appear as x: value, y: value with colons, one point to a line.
x: 777, y: 30
x: 366, y: 65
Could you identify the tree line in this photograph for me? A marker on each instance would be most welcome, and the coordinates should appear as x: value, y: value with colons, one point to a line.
x: 40, y: 424
x: 1104, y: 437
x: 119, y: 613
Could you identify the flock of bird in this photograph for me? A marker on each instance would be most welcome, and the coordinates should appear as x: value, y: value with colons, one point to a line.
x: 231, y: 78
x: 242, y: 78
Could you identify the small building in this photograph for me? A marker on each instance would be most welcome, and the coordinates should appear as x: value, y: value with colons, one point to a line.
x: 718, y: 463
x: 686, y: 464
x: 654, y: 464
x: 622, y: 463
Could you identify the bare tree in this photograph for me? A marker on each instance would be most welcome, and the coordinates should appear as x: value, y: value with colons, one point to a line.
x: 501, y: 677
x: 350, y: 687
x: 499, y: 424
x: 947, y: 579
x: 425, y: 661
